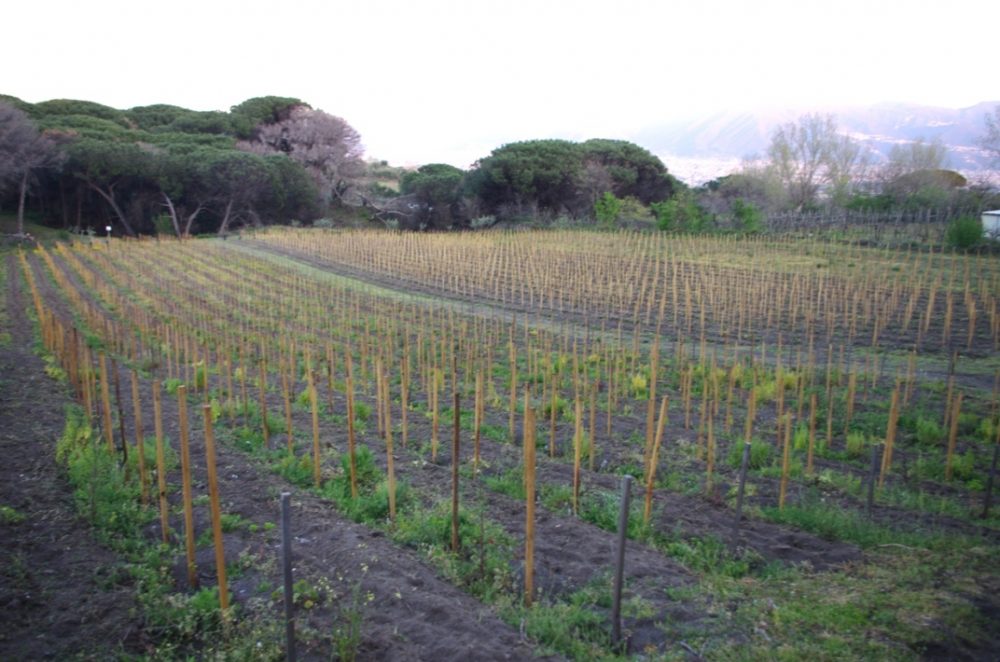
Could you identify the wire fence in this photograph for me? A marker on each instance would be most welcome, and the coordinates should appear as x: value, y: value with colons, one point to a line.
x: 922, y: 225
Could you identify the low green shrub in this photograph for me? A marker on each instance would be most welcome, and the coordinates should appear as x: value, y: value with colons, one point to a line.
x: 760, y: 454
x: 856, y: 444
x: 964, y: 232
x: 929, y: 433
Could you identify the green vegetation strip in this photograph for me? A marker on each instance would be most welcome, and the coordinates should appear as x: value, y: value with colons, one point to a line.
x: 107, y: 495
x: 572, y: 625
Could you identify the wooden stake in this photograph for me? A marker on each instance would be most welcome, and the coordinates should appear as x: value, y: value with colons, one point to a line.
x: 529, y: 500
x: 779, y: 383
x: 949, y: 400
x: 87, y: 382
x: 513, y: 389
x: 435, y: 386
x: 379, y: 398
x: 390, y: 467
x: 654, y: 458
x: 189, y: 541
x: 786, y: 457
x: 829, y: 419
x: 552, y: 414
x: 121, y: 416
x: 852, y: 381
x: 751, y: 411
x: 710, y: 449
x: 956, y: 409
x: 890, y: 436
x: 106, y: 405
x: 314, y: 406
x: 812, y: 433
x: 244, y: 394
x: 592, y: 447
x: 651, y: 402
x: 161, y: 464
x: 213, y: 495
x: 577, y: 452
x: 230, y: 401
x: 404, y: 395
x: 139, y: 441
x: 478, y: 420
x: 263, y: 405
x: 285, y: 391
x: 456, y: 431
x: 352, y: 458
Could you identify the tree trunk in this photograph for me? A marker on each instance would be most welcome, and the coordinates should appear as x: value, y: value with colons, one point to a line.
x: 20, y: 202
x: 79, y: 209
x: 254, y: 218
x: 190, y: 220
x: 225, y: 217
x: 173, y: 213
x: 63, y: 204
x: 109, y: 196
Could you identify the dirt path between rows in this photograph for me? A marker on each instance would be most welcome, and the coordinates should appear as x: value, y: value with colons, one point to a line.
x: 59, y: 589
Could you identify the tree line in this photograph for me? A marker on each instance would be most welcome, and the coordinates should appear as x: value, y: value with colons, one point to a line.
x: 811, y: 167
x: 164, y: 168
x: 167, y: 169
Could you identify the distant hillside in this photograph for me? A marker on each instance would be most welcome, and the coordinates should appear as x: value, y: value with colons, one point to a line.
x: 707, y: 144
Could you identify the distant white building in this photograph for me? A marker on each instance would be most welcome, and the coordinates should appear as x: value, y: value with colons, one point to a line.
x: 991, y: 223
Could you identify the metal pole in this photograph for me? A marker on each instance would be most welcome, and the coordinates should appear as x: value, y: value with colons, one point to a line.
x: 286, y: 562
x: 616, y: 608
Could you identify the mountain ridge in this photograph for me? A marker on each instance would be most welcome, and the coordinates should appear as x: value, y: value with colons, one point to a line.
x: 727, y: 137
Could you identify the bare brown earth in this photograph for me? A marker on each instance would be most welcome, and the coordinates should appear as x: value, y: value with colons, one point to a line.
x: 409, y: 612
x: 61, y: 592
x: 59, y: 586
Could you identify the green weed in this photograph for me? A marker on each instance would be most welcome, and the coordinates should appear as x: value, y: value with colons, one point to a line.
x: 760, y: 454
x: 10, y: 515
x: 482, y: 564
x: 297, y: 470
x: 929, y: 433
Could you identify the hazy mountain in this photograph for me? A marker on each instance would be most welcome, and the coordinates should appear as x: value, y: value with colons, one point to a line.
x: 700, y: 149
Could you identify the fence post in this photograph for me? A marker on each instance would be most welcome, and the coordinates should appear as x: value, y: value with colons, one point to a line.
x: 286, y: 565
x: 616, y: 605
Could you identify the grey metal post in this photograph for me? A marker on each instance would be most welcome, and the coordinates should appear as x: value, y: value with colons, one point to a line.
x: 616, y: 605
x: 286, y: 563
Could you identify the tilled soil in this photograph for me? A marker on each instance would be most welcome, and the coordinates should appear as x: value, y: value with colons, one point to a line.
x: 62, y: 586
x: 409, y: 612
x: 61, y: 591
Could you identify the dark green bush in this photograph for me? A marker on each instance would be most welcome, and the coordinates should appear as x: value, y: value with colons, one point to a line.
x: 964, y: 232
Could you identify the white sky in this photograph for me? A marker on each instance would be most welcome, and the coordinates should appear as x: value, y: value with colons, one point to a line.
x: 450, y: 80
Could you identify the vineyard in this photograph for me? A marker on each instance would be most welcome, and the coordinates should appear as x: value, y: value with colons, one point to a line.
x: 811, y: 427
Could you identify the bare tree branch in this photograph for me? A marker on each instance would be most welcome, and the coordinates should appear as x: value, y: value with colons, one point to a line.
x: 327, y: 147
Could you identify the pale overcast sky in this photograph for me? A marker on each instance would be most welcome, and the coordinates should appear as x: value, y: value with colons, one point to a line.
x: 449, y: 81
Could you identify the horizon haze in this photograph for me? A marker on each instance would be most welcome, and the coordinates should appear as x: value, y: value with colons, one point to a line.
x: 446, y: 81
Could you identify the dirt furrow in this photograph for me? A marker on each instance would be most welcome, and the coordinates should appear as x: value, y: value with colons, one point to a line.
x: 62, y: 593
